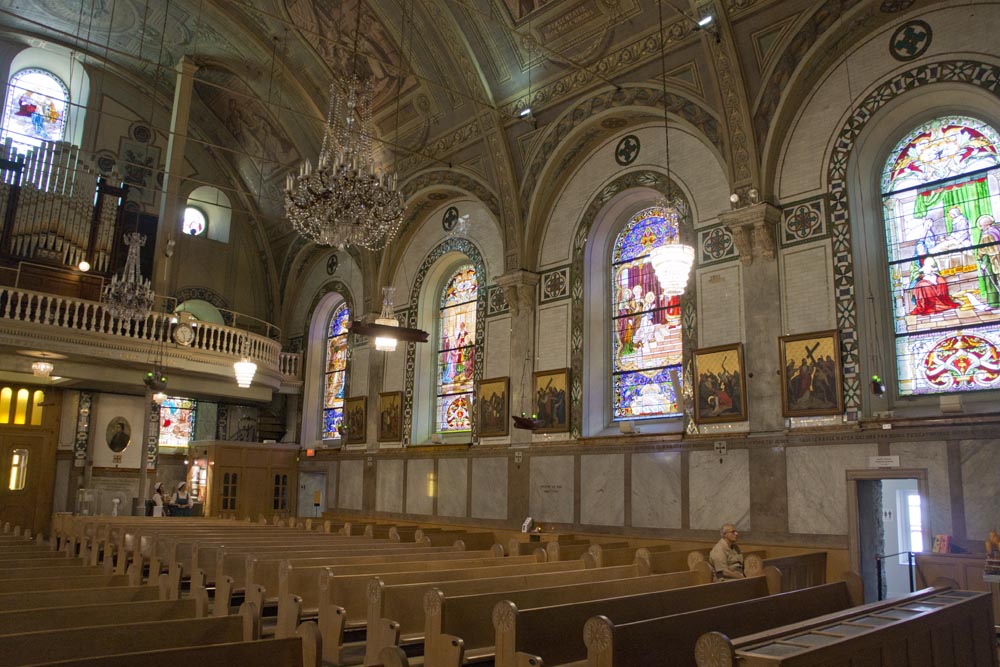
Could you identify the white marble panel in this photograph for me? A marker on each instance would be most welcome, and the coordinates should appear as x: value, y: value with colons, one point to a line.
x: 352, y: 472
x: 331, y: 485
x: 807, y: 280
x: 817, y: 486
x: 552, y: 342
x: 980, y: 463
x: 489, y: 488
x: 498, y: 347
x: 656, y: 490
x: 719, y: 493
x: 394, y: 371
x: 720, y: 305
x: 453, y: 481
x: 602, y: 490
x: 389, y: 486
x: 420, y: 486
x: 359, y: 371
x: 934, y: 457
x: 550, y: 495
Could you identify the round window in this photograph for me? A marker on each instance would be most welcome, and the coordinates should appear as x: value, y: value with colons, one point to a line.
x: 195, y: 222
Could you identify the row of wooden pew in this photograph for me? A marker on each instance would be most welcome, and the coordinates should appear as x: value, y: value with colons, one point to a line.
x: 569, y: 603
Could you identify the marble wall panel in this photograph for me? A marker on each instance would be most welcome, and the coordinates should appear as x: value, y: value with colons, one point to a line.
x: 498, y: 347
x: 420, y: 486
x: 807, y: 279
x: 359, y: 371
x: 719, y: 493
x: 332, y: 472
x: 656, y: 490
x: 389, y: 486
x: 934, y: 457
x: 550, y: 497
x: 489, y: 488
x: 352, y: 472
x: 453, y: 482
x: 980, y: 463
x: 720, y: 305
x: 552, y: 345
x: 817, y: 486
x: 602, y: 490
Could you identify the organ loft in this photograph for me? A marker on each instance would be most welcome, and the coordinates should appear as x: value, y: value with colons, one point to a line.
x: 510, y: 332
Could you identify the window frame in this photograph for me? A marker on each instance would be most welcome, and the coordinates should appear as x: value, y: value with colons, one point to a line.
x: 11, y: 103
x: 325, y: 373
x: 203, y: 234
x: 439, y: 318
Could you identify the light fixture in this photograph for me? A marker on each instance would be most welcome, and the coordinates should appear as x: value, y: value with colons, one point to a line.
x: 525, y: 112
x: 245, y: 368
x: 130, y: 296
x: 84, y: 265
x: 159, y: 397
x: 705, y: 20
x: 672, y: 262
x: 42, y: 369
x: 346, y: 200
x: 387, y: 343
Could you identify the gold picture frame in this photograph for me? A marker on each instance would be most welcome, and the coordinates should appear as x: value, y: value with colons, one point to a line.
x: 390, y: 416
x: 356, y: 420
x: 551, y: 401
x: 493, y: 407
x: 811, y: 376
x: 720, y: 390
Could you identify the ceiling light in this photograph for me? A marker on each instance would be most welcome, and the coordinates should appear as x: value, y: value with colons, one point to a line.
x: 41, y: 369
x: 525, y: 112
x: 386, y: 343
x: 159, y: 397
x: 705, y: 20
x: 84, y: 266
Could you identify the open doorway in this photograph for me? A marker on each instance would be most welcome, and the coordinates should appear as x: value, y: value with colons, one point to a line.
x: 888, y: 517
x: 312, y: 494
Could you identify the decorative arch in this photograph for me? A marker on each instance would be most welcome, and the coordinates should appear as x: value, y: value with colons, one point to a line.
x: 475, y: 257
x: 206, y: 294
x: 981, y: 75
x: 450, y: 178
x: 650, y: 180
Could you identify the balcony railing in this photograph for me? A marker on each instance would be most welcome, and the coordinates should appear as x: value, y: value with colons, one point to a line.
x: 290, y: 365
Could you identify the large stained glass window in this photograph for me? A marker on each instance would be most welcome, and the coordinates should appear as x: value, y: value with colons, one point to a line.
x: 646, y: 349
x: 177, y: 421
x: 335, y: 378
x: 457, y: 351
x: 37, y: 101
x: 941, y: 197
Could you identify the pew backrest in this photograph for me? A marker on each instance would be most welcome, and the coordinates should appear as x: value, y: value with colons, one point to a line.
x: 49, y: 618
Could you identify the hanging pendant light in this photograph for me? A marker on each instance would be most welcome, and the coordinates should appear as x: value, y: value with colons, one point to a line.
x: 42, y: 369
x: 245, y: 368
x: 386, y: 342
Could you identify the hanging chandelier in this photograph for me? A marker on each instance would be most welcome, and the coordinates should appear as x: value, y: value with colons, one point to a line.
x: 42, y: 369
x: 346, y: 200
x: 245, y: 368
x: 130, y: 296
x: 386, y: 343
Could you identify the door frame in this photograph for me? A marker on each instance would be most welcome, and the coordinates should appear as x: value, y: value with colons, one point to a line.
x: 869, y: 474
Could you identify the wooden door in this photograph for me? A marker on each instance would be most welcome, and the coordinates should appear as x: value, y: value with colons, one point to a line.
x: 26, y: 467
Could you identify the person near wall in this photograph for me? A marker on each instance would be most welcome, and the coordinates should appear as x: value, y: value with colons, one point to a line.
x: 157, y: 499
x: 726, y: 559
x: 182, y: 501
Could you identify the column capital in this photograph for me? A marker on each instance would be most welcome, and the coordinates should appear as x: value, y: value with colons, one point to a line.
x: 752, y: 228
x: 186, y: 66
x: 518, y: 288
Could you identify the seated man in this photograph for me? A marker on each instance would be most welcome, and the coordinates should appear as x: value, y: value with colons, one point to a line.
x: 725, y: 558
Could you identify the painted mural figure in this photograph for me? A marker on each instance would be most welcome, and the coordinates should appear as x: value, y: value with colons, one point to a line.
x: 989, y: 258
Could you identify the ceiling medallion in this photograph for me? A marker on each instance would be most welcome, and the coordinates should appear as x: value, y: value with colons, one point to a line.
x: 910, y: 40
x: 627, y: 150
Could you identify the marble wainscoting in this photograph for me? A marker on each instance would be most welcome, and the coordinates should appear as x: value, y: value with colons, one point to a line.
x: 817, y: 485
x: 389, y: 486
x: 602, y: 490
x: 980, y: 463
x: 453, y: 484
x: 332, y: 479
x: 552, y: 489
x: 421, y: 486
x: 351, y: 484
x: 934, y: 457
x: 719, y: 489
x: 489, y: 488
x: 656, y: 490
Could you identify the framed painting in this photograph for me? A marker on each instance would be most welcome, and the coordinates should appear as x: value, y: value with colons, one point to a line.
x: 720, y: 392
x: 390, y: 416
x: 356, y: 420
x: 551, y: 401
x: 810, y: 372
x: 492, y: 403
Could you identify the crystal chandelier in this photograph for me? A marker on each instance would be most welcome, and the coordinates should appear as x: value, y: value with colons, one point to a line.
x: 130, y: 296
x: 245, y: 368
x: 42, y: 369
x: 346, y: 200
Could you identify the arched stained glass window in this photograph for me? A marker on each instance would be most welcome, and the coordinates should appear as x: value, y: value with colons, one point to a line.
x: 336, y: 372
x: 37, y: 101
x: 941, y: 198
x: 456, y: 350
x: 647, y: 348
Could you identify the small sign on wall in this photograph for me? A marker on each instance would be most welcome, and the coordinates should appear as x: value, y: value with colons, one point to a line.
x: 883, y: 461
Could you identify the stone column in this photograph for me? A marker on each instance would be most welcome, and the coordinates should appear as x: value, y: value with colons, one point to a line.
x: 753, y: 229
x: 519, y: 290
x: 376, y: 373
x: 292, y: 426
x: 172, y: 176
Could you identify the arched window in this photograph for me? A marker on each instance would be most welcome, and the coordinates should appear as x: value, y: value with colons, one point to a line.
x: 456, y: 350
x: 336, y: 372
x: 37, y: 102
x: 941, y: 197
x: 195, y: 222
x: 647, y: 351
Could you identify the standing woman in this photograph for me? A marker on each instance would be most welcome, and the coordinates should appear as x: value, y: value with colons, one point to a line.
x: 157, y: 499
x: 182, y: 501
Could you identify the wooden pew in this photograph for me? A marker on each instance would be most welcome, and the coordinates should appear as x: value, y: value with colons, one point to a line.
x: 605, y: 556
x: 932, y: 627
x: 396, y: 612
x: 92, y: 641
x: 72, y: 597
x: 459, y: 628
x: 57, y: 583
x: 470, y: 540
x: 670, y: 640
x: 799, y: 571
x: 51, y: 618
x: 574, y: 550
x: 554, y: 632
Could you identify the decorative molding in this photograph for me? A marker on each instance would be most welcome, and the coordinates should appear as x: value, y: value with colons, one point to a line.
x: 554, y: 285
x: 496, y: 304
x: 752, y: 228
x: 715, y: 244
x: 803, y: 222
x: 82, y: 438
x: 518, y: 289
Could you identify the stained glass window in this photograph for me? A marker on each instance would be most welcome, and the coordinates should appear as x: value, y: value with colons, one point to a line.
x: 195, y: 222
x: 177, y: 421
x: 646, y: 324
x: 456, y: 350
x: 940, y: 197
x: 335, y: 377
x: 37, y: 101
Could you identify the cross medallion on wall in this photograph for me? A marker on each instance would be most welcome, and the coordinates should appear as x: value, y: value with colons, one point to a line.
x: 910, y: 40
